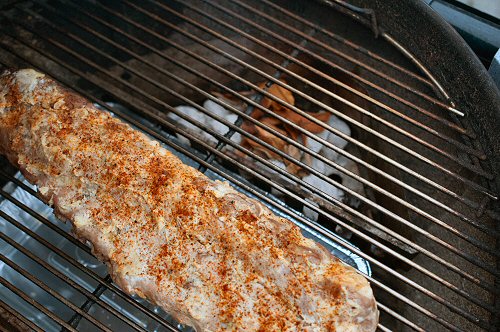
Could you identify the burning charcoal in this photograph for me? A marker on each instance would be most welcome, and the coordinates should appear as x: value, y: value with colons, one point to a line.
x: 211, y: 123
x: 278, y: 163
x: 193, y: 113
x: 336, y: 123
x: 324, y: 186
x: 219, y: 110
x: 315, y: 163
x: 281, y: 165
x: 329, y: 189
x: 310, y: 213
x: 351, y: 183
x: 328, y: 170
x: 315, y: 145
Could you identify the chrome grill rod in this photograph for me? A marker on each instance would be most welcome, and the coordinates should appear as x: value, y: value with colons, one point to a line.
x: 190, y: 102
x: 340, y: 151
x: 35, y: 304
x: 20, y: 317
x: 296, y: 215
x: 318, y: 103
x: 44, y: 286
x: 348, y: 58
x: 276, y: 151
x: 169, y: 90
x: 312, y: 170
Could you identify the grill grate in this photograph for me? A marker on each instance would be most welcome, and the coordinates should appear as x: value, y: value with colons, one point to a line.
x: 428, y: 240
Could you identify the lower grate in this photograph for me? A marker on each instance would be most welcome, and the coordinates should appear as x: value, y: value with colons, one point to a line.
x: 416, y: 210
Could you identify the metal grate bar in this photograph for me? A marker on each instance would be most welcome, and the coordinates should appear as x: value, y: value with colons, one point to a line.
x: 316, y: 102
x: 340, y: 151
x: 156, y: 135
x: 90, y: 296
x: 221, y: 120
x: 188, y: 101
x: 449, y: 140
x: 401, y: 318
x: 68, y: 281
x: 100, y: 289
x: 397, y: 98
x: 349, y: 43
x: 44, y: 287
x: 357, y: 251
x: 255, y: 104
x: 204, y: 128
x: 318, y: 228
x: 239, y: 121
x: 382, y: 328
x: 323, y: 106
x: 20, y: 317
x: 277, y: 152
x: 35, y: 304
x: 349, y: 58
x: 88, y: 272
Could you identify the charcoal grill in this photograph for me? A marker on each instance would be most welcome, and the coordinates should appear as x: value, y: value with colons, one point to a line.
x: 424, y: 120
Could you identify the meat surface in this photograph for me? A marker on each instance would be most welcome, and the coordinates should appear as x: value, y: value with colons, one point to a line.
x: 212, y: 257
